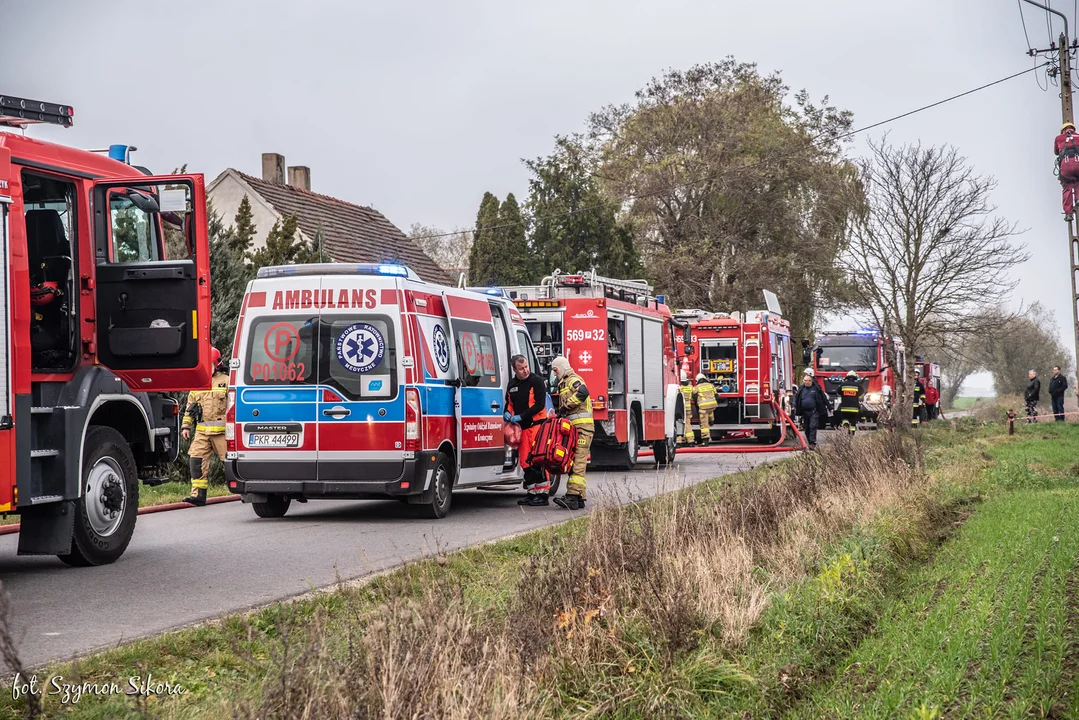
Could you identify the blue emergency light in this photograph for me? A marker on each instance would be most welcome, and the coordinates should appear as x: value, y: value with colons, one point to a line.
x: 338, y: 269
x: 393, y: 270
x: 122, y: 153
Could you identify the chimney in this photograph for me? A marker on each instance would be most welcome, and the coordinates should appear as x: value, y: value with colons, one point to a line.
x: 273, y: 168
x: 299, y: 176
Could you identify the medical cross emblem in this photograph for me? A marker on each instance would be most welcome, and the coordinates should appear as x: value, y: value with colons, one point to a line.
x: 360, y: 348
x: 586, y: 357
x: 441, y: 348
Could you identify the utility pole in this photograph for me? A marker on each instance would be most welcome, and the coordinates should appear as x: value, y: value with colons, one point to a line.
x: 1064, y: 48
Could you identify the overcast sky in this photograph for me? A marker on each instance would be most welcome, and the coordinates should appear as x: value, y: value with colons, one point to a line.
x: 417, y: 108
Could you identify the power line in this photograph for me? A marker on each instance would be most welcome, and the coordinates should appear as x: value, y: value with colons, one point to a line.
x: 752, y: 165
x: 1023, y: 18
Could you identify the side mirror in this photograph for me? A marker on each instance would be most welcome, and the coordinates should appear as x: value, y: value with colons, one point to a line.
x: 687, y: 334
x: 807, y: 356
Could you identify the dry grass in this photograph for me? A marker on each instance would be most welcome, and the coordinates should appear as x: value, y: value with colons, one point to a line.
x: 639, y: 615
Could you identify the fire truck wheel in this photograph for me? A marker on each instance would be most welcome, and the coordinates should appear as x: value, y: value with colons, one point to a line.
x: 275, y: 506
x: 664, y: 451
x: 435, y: 503
x: 105, y: 513
x: 628, y: 457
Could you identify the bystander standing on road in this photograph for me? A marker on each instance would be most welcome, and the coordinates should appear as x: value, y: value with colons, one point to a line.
x: 1032, y: 396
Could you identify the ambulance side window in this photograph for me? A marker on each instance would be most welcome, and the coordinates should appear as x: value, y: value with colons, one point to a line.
x: 528, y: 351
x: 479, y: 356
x: 359, y: 356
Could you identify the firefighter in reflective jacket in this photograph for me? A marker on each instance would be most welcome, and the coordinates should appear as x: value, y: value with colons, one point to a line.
x: 850, y: 400
x: 919, y: 402
x: 206, y: 412
x: 1066, y: 149
x: 704, y: 395
x: 575, y: 405
x: 687, y: 404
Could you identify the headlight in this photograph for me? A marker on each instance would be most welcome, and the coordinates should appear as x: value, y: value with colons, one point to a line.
x: 873, y: 397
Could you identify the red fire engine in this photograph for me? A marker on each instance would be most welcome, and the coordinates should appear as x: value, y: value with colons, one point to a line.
x: 105, y: 295
x: 865, y: 352
x: 748, y: 360
x: 621, y: 339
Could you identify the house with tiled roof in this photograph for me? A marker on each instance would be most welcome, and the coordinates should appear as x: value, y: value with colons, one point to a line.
x: 348, y: 232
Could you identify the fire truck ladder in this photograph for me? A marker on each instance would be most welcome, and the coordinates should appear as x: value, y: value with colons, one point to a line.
x: 751, y: 397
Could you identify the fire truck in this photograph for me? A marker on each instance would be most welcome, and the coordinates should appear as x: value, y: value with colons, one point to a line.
x: 105, y: 294
x: 748, y: 360
x: 622, y: 340
x: 864, y: 352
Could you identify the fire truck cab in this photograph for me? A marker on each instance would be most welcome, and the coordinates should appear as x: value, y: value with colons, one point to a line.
x: 622, y: 340
x: 748, y: 360
x: 865, y: 352
x: 104, y: 307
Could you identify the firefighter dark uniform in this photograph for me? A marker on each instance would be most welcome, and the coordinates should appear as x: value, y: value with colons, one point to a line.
x: 1066, y: 149
x: 575, y: 404
x: 209, y: 431
x: 918, y: 403
x: 526, y: 403
x: 850, y: 401
x: 687, y: 403
x: 704, y: 396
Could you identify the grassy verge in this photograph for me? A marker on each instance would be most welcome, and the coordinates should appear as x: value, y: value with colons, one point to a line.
x: 754, y: 596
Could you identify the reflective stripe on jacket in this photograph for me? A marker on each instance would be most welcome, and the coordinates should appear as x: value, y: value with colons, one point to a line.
x: 577, y: 409
x: 706, y: 396
x: 213, y: 403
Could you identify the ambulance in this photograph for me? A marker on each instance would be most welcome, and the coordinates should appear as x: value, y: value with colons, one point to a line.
x: 360, y: 381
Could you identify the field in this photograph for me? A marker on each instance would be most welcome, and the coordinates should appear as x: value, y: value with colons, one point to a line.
x: 896, y: 575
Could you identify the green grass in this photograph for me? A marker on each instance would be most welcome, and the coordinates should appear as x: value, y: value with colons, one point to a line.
x: 966, y: 403
x: 989, y: 627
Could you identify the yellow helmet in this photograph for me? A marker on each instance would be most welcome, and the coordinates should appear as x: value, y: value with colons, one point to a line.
x: 1067, y: 125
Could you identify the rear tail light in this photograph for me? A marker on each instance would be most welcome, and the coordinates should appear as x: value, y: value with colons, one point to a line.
x: 412, y: 419
x: 230, y: 423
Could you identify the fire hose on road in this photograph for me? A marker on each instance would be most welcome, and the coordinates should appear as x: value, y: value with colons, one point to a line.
x: 785, y: 421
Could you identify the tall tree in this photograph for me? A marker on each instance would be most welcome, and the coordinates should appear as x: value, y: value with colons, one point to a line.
x: 243, y: 228
x: 574, y: 226
x: 283, y: 247
x: 1030, y: 341
x: 518, y: 267
x: 487, y: 258
x: 731, y: 189
x: 928, y: 258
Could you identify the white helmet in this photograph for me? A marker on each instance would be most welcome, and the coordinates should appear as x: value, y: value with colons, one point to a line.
x: 701, y: 377
x: 809, y: 372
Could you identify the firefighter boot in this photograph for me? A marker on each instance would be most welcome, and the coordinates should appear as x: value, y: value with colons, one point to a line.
x: 538, y: 500
x: 570, y: 502
x: 197, y: 497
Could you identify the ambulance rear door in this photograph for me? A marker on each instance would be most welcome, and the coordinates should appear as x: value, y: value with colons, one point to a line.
x: 480, y: 394
x: 361, y: 404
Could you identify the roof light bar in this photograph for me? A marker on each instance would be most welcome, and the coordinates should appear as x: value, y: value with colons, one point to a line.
x: 20, y: 112
x: 383, y: 269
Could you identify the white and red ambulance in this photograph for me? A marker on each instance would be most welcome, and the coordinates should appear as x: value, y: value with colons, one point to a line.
x: 358, y: 381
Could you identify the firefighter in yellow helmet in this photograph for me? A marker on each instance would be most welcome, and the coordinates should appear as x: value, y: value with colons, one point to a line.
x: 687, y: 403
x: 206, y: 413
x: 575, y: 405
x: 704, y: 396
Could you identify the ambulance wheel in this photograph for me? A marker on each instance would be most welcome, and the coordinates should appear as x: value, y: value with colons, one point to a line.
x: 628, y: 459
x: 106, y: 510
x: 435, y: 503
x: 275, y: 506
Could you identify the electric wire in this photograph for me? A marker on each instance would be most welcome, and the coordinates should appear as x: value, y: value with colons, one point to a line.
x: 1023, y: 18
x: 749, y: 166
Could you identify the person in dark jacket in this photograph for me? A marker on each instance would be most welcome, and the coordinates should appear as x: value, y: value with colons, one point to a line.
x: 526, y: 405
x: 811, y: 403
x: 1032, y: 396
x: 850, y: 400
x: 1057, y: 385
x: 918, y: 402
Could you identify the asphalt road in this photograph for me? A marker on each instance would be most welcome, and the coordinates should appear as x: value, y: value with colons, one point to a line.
x: 192, y: 565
